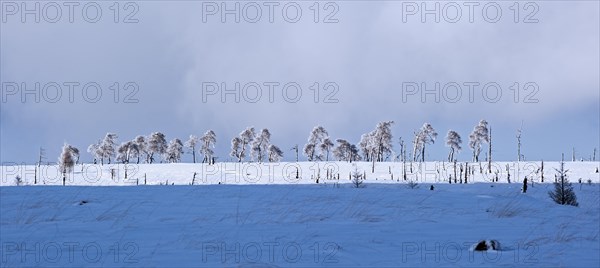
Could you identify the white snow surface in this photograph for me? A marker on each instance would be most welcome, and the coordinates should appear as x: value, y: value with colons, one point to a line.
x: 276, y: 220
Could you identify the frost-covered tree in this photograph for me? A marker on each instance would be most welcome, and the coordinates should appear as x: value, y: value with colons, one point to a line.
x: 453, y: 141
x: 123, y: 152
x: 191, y: 145
x: 377, y: 144
x: 239, y: 144
x: 309, y: 151
x: 260, y: 145
x: 478, y: 136
x: 382, y: 140
x: 236, y: 148
x: 208, y: 140
x: 94, y: 150
x: 174, y: 151
x: 74, y: 153
x: 127, y: 150
x: 66, y: 161
x: 425, y: 135
x: 142, y: 147
x: 367, y: 145
x: 157, y: 145
x: 275, y: 154
x: 326, y: 146
x: 563, y: 193
x: 345, y: 151
x: 108, y: 146
x: 314, y: 149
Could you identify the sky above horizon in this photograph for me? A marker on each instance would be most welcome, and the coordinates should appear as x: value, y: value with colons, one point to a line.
x: 173, y: 67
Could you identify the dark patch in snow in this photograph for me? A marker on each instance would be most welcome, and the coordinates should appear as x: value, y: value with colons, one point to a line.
x: 485, y: 245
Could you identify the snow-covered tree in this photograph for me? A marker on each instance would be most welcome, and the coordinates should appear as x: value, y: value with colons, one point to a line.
x: 345, y: 151
x: 563, y: 193
x: 275, y: 154
x: 94, y: 150
x: 315, y: 148
x: 174, y: 151
x: 382, y: 140
x: 191, y: 145
x: 478, y: 136
x: 260, y: 145
x: 326, y: 146
x: 123, y: 152
x: 157, y: 144
x: 127, y: 150
x: 142, y: 147
x: 236, y: 148
x: 367, y: 145
x: 74, y: 153
x: 453, y: 141
x: 66, y: 161
x: 425, y: 135
x: 240, y: 144
x: 108, y: 146
x: 208, y: 140
x: 309, y: 151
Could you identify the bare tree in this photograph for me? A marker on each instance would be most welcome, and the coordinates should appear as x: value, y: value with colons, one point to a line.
x: 519, y: 132
x: 490, y: 151
x: 295, y: 148
x: 41, y: 156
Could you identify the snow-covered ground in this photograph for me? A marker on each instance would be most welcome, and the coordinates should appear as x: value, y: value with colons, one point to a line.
x: 289, y: 173
x: 296, y: 222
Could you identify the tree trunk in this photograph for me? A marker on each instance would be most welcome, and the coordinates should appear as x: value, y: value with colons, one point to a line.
x: 490, y: 153
x: 542, y: 170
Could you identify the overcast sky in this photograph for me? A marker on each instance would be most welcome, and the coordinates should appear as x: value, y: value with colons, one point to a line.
x: 369, y: 54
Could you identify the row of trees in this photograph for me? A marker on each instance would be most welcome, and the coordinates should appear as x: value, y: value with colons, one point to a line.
x: 259, y: 145
x: 374, y: 146
x: 147, y: 148
x: 377, y: 145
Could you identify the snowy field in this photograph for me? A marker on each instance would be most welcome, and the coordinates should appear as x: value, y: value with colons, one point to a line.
x: 290, y: 173
x: 278, y: 220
